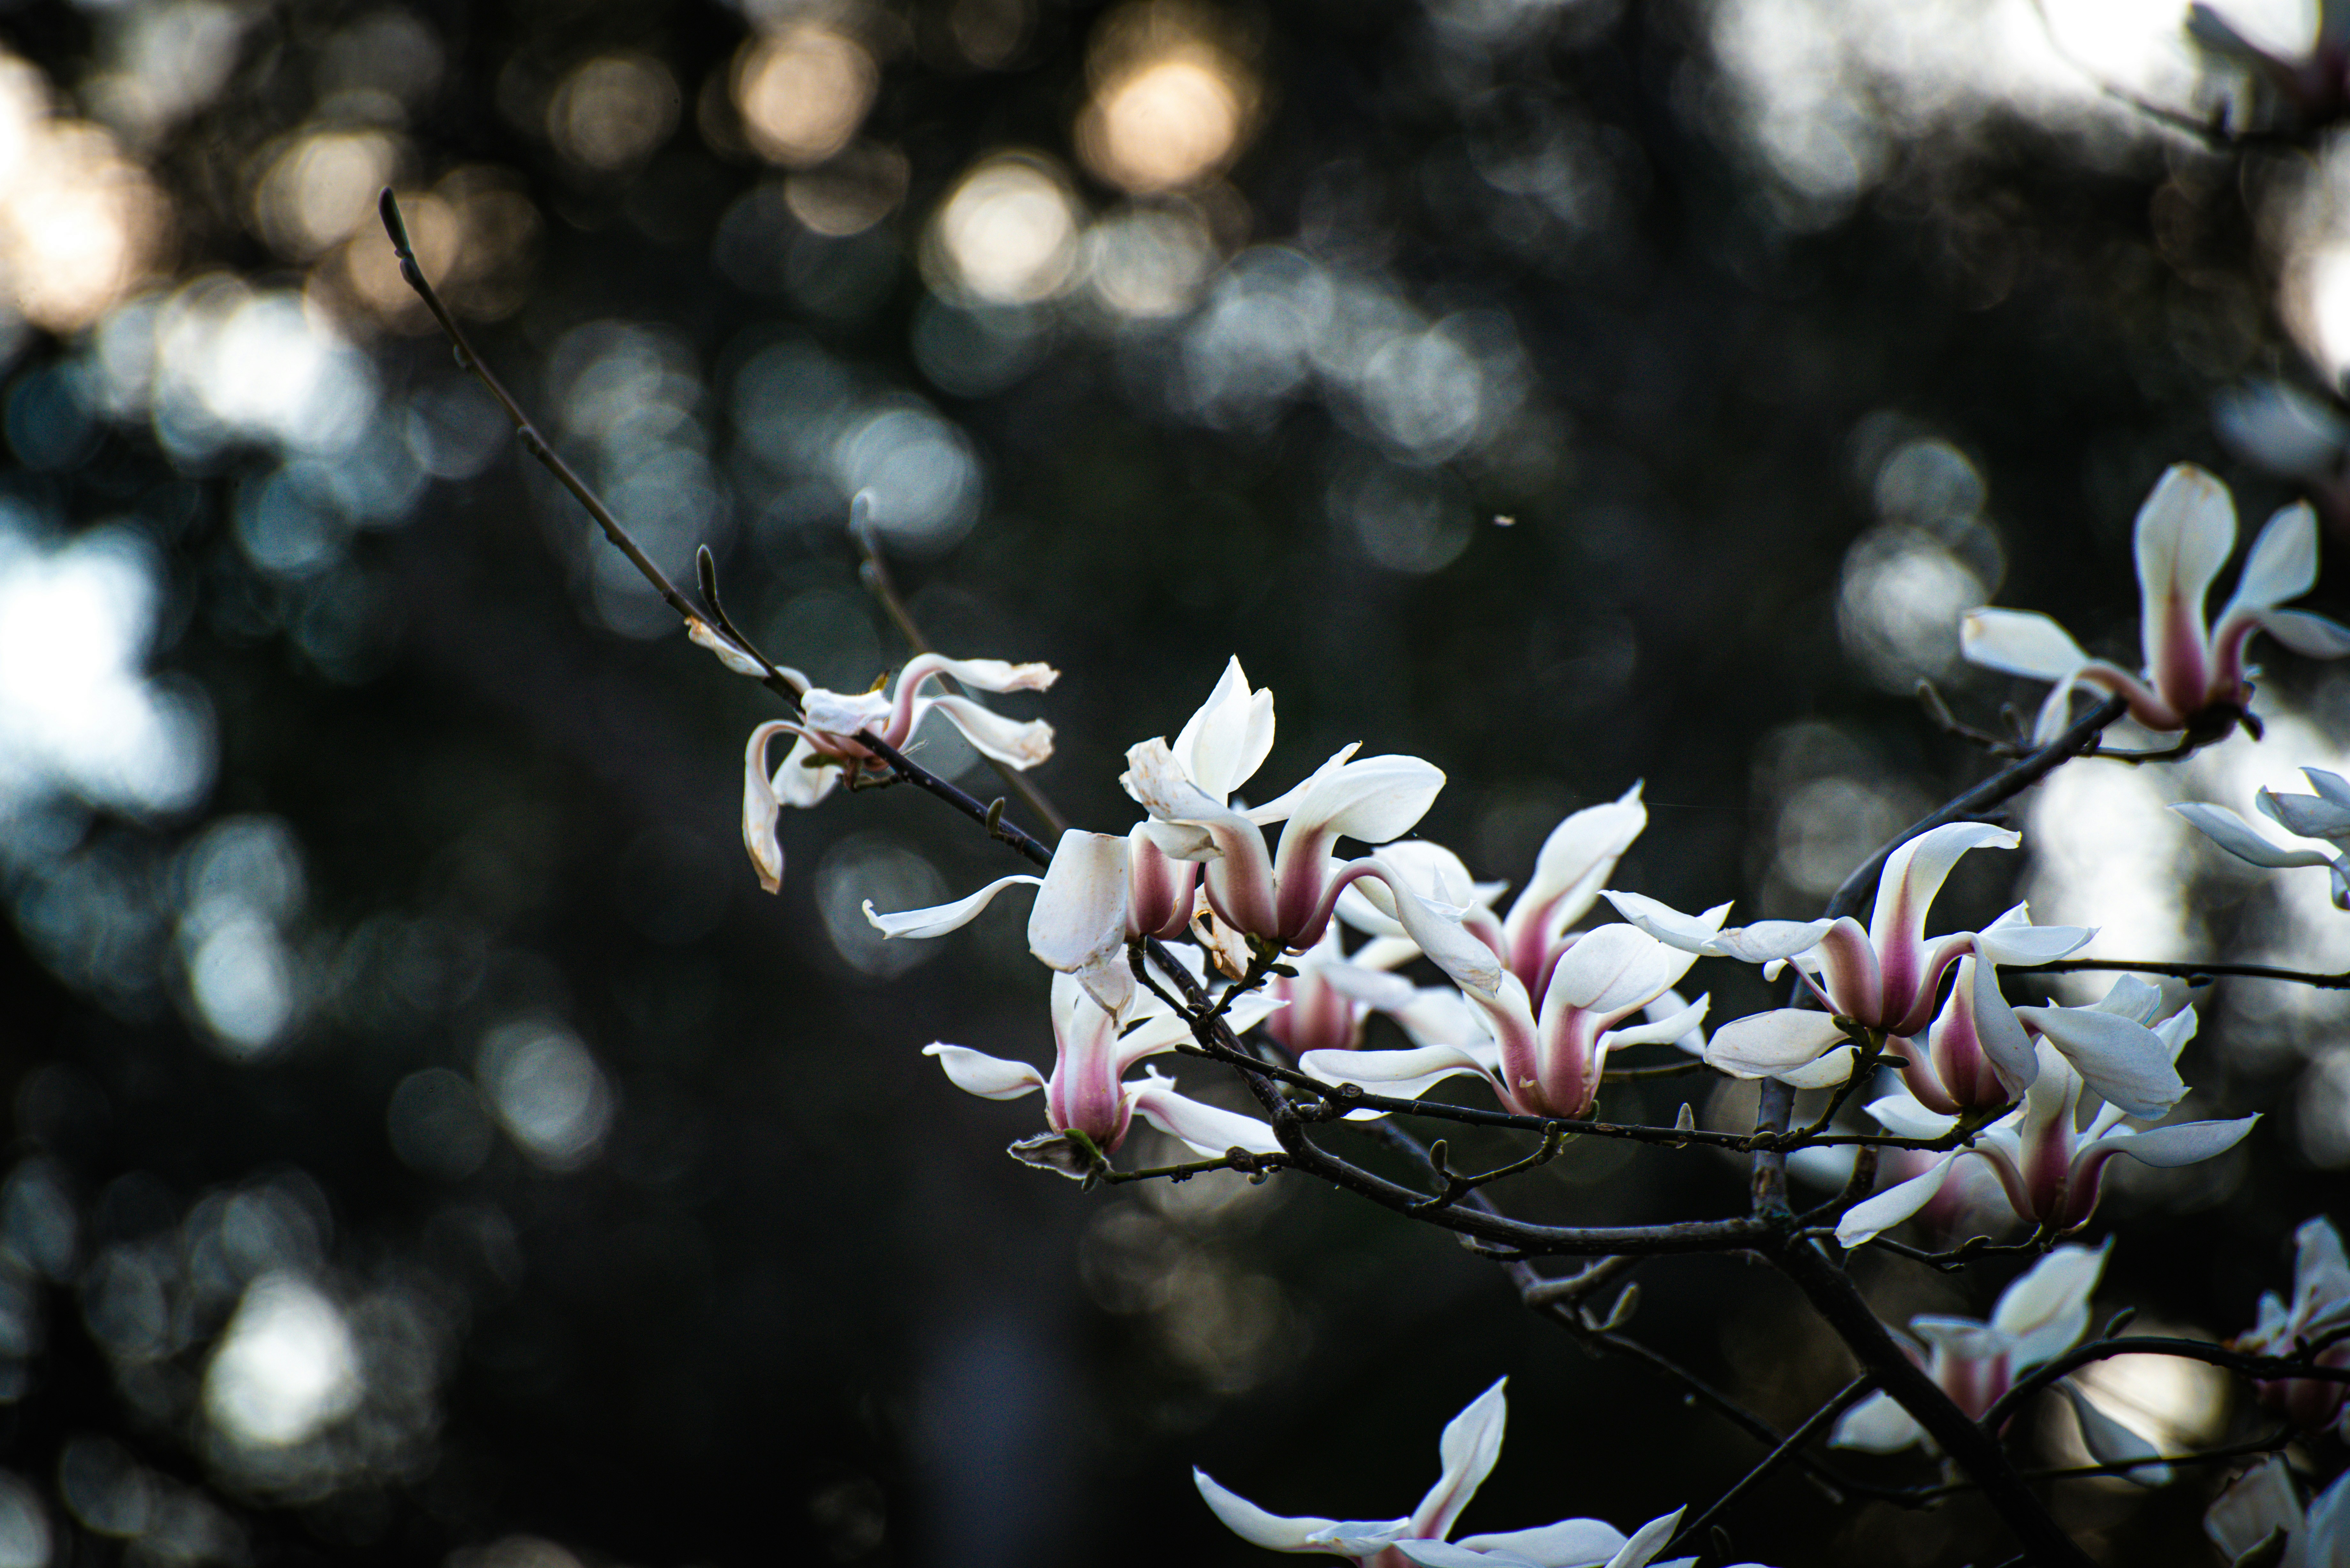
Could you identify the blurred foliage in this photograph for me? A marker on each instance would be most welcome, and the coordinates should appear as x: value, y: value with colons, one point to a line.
x: 428, y: 1141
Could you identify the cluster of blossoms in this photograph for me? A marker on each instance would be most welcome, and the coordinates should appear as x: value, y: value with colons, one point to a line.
x: 1534, y: 1001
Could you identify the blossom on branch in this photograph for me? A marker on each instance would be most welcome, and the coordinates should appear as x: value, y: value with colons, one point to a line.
x: 1884, y: 977
x: 825, y: 748
x: 1088, y: 1094
x: 2321, y: 1303
x: 2264, y: 1503
x: 2195, y: 678
x: 2324, y: 815
x: 2049, y: 1153
x: 1469, y: 1446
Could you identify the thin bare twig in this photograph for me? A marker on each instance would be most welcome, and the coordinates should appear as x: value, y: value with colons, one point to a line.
x: 1778, y: 1458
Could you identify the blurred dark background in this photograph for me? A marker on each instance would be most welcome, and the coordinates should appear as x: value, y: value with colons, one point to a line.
x: 428, y: 1143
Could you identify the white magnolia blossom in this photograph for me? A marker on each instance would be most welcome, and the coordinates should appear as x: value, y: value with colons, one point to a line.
x: 1882, y: 977
x: 2319, y: 1304
x: 2264, y: 1501
x: 1469, y: 1446
x: 1087, y: 1091
x: 2042, y: 1313
x: 2325, y: 816
x: 2049, y: 1152
x: 2195, y: 677
x: 826, y: 748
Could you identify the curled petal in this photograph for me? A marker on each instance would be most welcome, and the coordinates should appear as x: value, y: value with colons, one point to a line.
x: 2333, y: 786
x: 989, y: 1077
x: 1254, y: 1524
x: 1023, y: 744
x: 2020, y: 642
x: 1914, y: 874
x: 1208, y: 1130
x: 1877, y: 1425
x: 1764, y: 1044
x: 808, y: 776
x: 760, y: 807
x: 939, y: 919
x: 2234, y: 835
x: 1905, y: 1117
x: 1468, y: 962
x: 1470, y: 1444
x: 986, y: 674
x: 2111, y: 1443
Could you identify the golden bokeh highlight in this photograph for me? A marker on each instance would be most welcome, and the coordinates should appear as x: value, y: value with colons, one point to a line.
x: 1008, y: 234
x: 1172, y: 101
x: 613, y: 112
x: 80, y: 222
x: 802, y: 91
x: 320, y: 187
x: 850, y: 193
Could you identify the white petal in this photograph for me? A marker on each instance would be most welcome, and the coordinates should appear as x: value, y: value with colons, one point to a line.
x: 1579, y: 855
x: 1568, y: 1543
x: 2124, y: 1061
x: 1825, y: 1073
x: 989, y: 1077
x: 1763, y: 1044
x: 2283, y: 564
x: 2021, y: 642
x: 1253, y: 1524
x: 2305, y: 815
x: 2019, y: 943
x: 1400, y: 1075
x: 1223, y: 744
x: 939, y: 919
x: 1674, y: 1025
x: 1021, y: 742
x: 2184, y: 1144
x: 1647, y: 1542
x: 839, y: 713
x: 1209, y: 1131
x: 1373, y: 988
x: 1445, y: 1554
x: 1690, y: 933
x: 1080, y: 913
x: 1373, y: 800
x: 1769, y: 941
x: 2111, y: 1443
x: 1470, y: 1444
x: 986, y: 674
x: 2234, y: 835
x: 760, y: 807
x: 2185, y: 534
x: 1469, y: 962
x: 1864, y: 1220
x: 2333, y: 786
x: 2046, y: 1308
x: 1615, y: 969
x: 1905, y: 1117
x: 1877, y: 1425
x: 703, y: 635
x: 2259, y: 1501
x: 1915, y: 873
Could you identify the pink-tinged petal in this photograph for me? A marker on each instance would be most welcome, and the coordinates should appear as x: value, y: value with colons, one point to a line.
x: 1362, y: 1539
x: 2123, y: 1061
x: 1022, y: 742
x: 2186, y: 531
x: 984, y: 674
x: 807, y: 775
x: 1159, y: 887
x: 1208, y: 1130
x: 1079, y: 916
x: 1256, y: 1526
x: 2020, y: 642
x: 1611, y: 970
x: 2283, y: 564
x: 1227, y: 740
x: 1877, y: 1425
x: 1998, y: 1032
x: 939, y: 919
x: 2256, y: 1504
x: 1864, y: 1219
x: 1568, y: 1543
x: 2111, y: 1443
x: 1764, y: 1044
x: 1465, y: 960
x: 2046, y: 1309
x: 1854, y: 979
x: 1913, y: 875
x: 760, y: 809
x: 844, y: 714
x: 1470, y: 1444
x: 1239, y: 872
x: 1372, y: 800
x: 989, y: 1077
x: 1647, y: 1542
x: 2234, y: 835
x: 1579, y: 855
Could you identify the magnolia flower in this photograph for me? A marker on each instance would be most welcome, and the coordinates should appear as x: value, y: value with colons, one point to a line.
x: 1332, y: 996
x: 826, y: 747
x: 2321, y: 1301
x: 1086, y: 1093
x: 1882, y: 978
x: 2324, y: 815
x: 2263, y: 1502
x: 2195, y: 678
x: 2049, y: 1153
x: 1470, y: 1444
x: 2042, y: 1313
